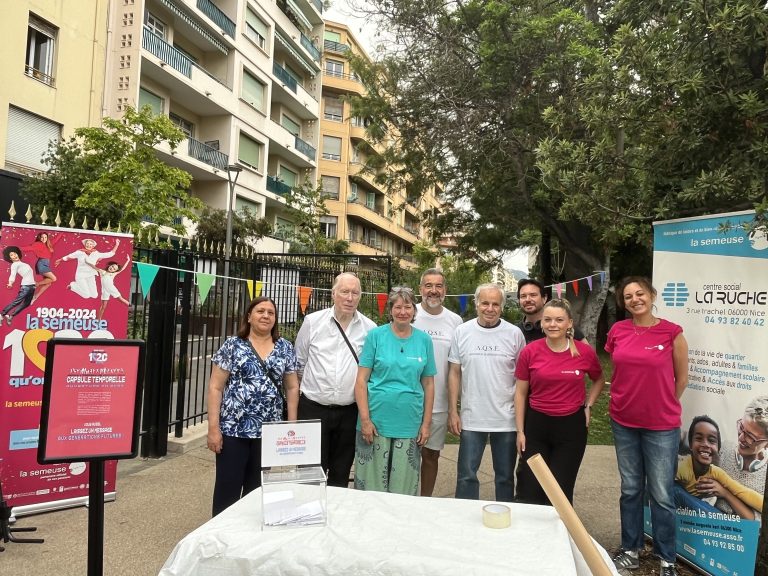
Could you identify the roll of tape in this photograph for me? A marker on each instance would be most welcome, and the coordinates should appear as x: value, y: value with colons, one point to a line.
x: 497, y: 516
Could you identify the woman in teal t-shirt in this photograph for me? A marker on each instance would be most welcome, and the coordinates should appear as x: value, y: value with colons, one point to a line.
x: 394, y: 391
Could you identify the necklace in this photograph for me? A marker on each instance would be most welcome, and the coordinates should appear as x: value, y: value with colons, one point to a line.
x: 640, y: 330
x: 567, y: 345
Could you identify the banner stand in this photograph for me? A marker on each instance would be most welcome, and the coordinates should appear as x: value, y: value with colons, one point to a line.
x: 91, y: 413
x: 6, y: 532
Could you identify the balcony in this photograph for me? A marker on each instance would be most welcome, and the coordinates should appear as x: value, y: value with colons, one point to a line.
x: 207, y: 154
x: 284, y: 77
x: 317, y: 4
x: 275, y: 186
x: 166, y: 53
x: 305, y: 148
x: 337, y: 47
x: 217, y: 16
x: 311, y: 48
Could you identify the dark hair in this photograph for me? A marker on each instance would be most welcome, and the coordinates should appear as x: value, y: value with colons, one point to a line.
x: 7, y: 253
x: 644, y: 282
x: 526, y: 282
x: 245, y: 327
x: 708, y: 420
x: 110, y: 264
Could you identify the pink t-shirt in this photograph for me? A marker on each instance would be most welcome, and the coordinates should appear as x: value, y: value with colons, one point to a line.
x: 556, y: 379
x: 643, y: 382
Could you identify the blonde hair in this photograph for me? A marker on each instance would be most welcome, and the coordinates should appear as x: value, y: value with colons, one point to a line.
x: 563, y: 304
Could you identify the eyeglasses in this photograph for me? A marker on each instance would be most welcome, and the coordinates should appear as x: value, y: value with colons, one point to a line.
x: 402, y: 290
x: 748, y: 435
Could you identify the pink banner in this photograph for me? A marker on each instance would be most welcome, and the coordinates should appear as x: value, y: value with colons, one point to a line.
x: 58, y: 282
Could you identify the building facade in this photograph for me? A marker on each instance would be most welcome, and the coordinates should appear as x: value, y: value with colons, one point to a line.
x: 373, y: 219
x: 241, y: 80
x: 51, y: 80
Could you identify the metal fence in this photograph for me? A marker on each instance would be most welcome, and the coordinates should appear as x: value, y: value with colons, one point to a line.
x: 182, y: 330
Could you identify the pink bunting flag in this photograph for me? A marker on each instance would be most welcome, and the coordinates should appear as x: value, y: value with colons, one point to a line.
x: 589, y: 282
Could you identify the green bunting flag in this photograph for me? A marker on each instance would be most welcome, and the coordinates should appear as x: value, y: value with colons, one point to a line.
x: 204, y: 283
x: 147, y: 274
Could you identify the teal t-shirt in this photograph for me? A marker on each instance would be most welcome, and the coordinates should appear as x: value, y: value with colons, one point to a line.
x: 395, y: 394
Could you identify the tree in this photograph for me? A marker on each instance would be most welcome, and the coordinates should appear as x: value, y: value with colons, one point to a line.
x: 246, y: 226
x: 305, y: 206
x: 113, y: 173
x: 460, y: 99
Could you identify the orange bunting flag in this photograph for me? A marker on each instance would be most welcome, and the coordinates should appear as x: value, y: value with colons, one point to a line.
x: 575, y: 285
x: 305, y: 292
x: 381, y: 300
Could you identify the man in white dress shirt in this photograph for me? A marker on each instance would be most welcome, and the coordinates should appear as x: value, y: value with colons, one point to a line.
x: 439, y: 323
x: 328, y: 346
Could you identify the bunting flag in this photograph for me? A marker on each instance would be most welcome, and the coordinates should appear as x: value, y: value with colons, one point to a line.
x: 204, y: 283
x: 381, y: 300
x: 259, y: 285
x: 589, y: 282
x: 559, y: 288
x: 249, y: 283
x: 575, y: 285
x: 305, y: 293
x: 463, y: 300
x: 602, y: 277
x: 147, y: 274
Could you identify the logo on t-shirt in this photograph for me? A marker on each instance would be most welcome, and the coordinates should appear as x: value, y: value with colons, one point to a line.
x: 656, y: 347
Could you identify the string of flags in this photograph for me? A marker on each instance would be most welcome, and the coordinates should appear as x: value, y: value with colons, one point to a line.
x: 204, y: 281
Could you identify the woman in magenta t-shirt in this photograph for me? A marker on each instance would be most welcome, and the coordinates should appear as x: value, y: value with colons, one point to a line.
x: 550, y: 408
x: 650, y: 373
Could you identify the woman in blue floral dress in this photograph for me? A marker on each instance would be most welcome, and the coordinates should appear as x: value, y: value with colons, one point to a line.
x: 244, y: 392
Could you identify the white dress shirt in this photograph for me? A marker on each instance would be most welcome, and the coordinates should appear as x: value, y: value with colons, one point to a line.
x: 326, y: 365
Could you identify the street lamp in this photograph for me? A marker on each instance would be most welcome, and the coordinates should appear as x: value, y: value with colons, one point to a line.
x: 233, y: 171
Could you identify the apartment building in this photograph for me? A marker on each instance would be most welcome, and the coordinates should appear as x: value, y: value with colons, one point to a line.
x: 241, y: 80
x: 51, y: 80
x: 373, y: 219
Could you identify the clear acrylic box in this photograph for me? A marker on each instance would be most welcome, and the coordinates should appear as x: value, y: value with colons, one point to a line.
x: 293, y: 497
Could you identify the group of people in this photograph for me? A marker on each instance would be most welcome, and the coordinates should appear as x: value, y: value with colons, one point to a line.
x: 387, y: 395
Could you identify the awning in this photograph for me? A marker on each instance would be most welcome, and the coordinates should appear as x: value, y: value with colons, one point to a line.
x: 184, y: 15
x: 300, y: 15
x: 312, y: 68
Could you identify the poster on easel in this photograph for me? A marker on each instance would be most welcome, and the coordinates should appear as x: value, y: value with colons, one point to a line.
x: 711, y: 275
x: 54, y: 282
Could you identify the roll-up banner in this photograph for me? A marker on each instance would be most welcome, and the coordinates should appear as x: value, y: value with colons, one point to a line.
x: 711, y: 274
x: 54, y: 282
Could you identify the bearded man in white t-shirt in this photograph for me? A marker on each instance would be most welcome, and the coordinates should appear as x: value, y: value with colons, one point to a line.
x: 439, y: 323
x: 482, y: 363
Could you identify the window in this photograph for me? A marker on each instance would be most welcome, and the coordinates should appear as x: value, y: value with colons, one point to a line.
x: 331, y: 186
x: 28, y: 138
x: 331, y: 148
x: 328, y: 225
x: 147, y: 98
x: 242, y: 204
x: 256, y: 29
x: 332, y: 36
x: 334, y: 68
x: 370, y: 200
x: 41, y: 39
x: 252, y: 91
x: 353, y: 192
x: 288, y: 177
x: 249, y: 151
x: 334, y: 109
x: 289, y: 124
x: 185, y: 125
x: 155, y: 25
x: 284, y: 228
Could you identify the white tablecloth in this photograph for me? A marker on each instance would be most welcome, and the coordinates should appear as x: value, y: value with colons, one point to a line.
x: 372, y: 533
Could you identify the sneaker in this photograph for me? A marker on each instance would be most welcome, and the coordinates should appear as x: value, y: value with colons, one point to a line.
x: 8, y: 319
x: 667, y: 569
x: 626, y: 560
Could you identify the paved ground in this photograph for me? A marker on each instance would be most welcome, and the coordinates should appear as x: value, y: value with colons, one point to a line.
x: 160, y: 501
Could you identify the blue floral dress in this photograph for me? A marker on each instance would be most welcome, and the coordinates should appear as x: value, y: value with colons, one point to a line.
x: 250, y: 398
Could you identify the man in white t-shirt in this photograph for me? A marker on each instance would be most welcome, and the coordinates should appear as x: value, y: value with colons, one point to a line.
x: 439, y: 323
x: 482, y: 366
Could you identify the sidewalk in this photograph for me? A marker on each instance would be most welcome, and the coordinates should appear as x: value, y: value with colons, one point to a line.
x: 160, y: 501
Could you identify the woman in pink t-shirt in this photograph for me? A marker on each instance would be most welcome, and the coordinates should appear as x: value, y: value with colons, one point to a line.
x: 650, y: 373
x: 551, y: 405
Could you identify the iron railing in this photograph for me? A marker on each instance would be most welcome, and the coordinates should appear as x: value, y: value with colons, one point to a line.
x: 274, y: 185
x: 305, y: 148
x: 207, y: 154
x: 218, y: 16
x: 311, y: 48
x: 284, y: 77
x: 151, y: 42
x: 335, y: 46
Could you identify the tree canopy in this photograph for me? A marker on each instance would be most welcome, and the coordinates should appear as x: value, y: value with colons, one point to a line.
x: 577, y: 121
x: 112, y: 173
x: 246, y: 226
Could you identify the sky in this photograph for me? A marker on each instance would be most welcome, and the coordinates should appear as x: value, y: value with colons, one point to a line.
x: 343, y: 11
